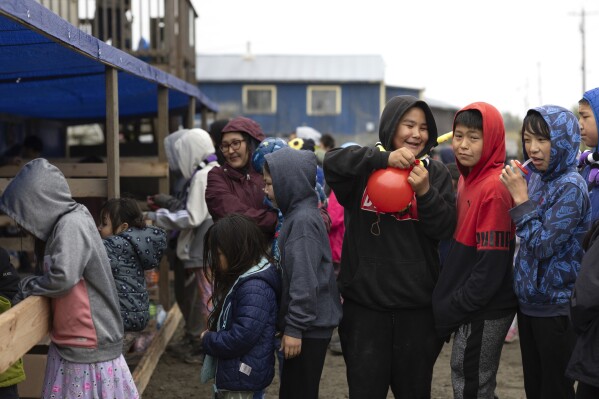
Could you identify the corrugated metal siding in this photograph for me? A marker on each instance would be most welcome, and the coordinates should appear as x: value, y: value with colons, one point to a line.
x: 401, y: 91
x: 290, y: 68
x: 359, y: 107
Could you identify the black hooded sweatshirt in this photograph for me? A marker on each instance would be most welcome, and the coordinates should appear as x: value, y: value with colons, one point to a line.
x: 584, y: 313
x: 398, y: 268
x: 9, y: 278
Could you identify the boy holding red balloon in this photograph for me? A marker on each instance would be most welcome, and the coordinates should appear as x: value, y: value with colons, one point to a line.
x: 474, y: 297
x: 390, y: 259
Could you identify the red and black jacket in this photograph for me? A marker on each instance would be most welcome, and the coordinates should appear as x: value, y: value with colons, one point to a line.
x: 476, y: 279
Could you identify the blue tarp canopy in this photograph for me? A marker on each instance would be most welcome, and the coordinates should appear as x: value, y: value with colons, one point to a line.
x: 50, y: 69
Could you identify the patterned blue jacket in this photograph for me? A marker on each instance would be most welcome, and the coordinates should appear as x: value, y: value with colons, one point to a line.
x: 552, y: 224
x: 592, y: 96
x: 130, y: 253
x: 244, y: 344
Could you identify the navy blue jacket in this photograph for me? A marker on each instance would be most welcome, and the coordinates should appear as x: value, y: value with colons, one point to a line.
x: 244, y: 344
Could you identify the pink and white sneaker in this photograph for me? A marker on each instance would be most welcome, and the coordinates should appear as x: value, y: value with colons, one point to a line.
x: 512, y: 333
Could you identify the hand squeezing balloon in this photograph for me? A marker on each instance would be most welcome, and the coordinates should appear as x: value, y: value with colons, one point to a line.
x: 389, y: 190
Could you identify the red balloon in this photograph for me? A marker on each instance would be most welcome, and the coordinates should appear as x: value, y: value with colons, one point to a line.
x: 389, y: 190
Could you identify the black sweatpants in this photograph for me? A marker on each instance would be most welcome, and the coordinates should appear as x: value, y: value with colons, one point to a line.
x: 9, y: 392
x: 300, y: 378
x: 546, y: 344
x: 388, y: 349
x: 586, y: 391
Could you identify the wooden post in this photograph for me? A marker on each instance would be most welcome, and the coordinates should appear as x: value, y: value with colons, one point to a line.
x: 112, y: 132
x: 204, y: 118
x: 162, y: 132
x: 191, y: 112
x: 163, y: 186
x: 170, y: 40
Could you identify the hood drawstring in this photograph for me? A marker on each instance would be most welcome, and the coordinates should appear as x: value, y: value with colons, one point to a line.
x: 375, y: 229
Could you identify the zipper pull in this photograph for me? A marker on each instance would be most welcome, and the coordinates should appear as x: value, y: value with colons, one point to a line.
x: 247, y: 177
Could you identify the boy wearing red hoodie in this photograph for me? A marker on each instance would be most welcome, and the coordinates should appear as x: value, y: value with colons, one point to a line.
x: 474, y: 297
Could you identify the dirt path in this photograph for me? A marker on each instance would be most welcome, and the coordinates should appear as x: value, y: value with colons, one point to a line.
x: 174, y: 379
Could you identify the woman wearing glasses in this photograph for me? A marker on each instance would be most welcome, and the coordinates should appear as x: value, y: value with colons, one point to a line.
x: 236, y: 187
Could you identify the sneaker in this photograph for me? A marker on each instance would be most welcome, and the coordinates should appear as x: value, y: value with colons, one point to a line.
x: 512, y: 335
x: 180, y: 348
x: 196, y: 356
x: 335, y: 344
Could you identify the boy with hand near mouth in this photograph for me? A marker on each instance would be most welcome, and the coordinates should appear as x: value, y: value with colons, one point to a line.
x: 552, y: 216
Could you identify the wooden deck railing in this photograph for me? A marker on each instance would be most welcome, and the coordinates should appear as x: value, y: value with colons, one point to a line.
x: 28, y: 323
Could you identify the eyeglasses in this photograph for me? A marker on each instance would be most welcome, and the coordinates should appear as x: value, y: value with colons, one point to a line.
x: 235, y: 145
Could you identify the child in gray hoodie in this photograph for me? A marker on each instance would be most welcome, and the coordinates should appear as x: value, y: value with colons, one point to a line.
x: 310, y: 303
x: 84, y: 359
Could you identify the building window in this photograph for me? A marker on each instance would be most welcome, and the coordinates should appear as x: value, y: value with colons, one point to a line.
x: 259, y: 99
x: 324, y: 100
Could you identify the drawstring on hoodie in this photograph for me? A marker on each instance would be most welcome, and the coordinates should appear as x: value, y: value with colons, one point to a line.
x: 375, y: 229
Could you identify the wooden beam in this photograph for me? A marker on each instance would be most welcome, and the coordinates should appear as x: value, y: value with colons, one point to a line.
x: 17, y: 243
x: 79, y: 187
x: 5, y: 220
x: 127, y: 169
x: 22, y: 327
x: 112, y: 132
x: 191, y: 112
x: 147, y: 364
x: 204, y: 123
x: 162, y: 132
x: 163, y: 187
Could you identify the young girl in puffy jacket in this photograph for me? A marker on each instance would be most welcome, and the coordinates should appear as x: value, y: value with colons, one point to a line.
x: 240, y: 341
x: 132, y: 248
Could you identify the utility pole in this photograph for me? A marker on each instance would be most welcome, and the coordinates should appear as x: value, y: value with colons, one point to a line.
x: 584, y: 61
x: 583, y: 71
x: 539, y: 83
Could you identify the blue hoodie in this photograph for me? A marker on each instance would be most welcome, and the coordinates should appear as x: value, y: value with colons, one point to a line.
x: 552, y: 223
x: 592, y: 96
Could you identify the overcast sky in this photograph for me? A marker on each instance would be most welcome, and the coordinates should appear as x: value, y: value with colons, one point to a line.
x: 512, y: 54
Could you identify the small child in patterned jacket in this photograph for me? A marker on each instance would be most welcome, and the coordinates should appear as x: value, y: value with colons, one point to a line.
x: 132, y: 248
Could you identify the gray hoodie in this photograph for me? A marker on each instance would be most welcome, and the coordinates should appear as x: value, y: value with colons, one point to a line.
x: 310, y: 304
x: 191, y: 155
x: 86, y: 321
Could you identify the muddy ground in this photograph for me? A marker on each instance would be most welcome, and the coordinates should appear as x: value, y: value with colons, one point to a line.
x: 174, y: 379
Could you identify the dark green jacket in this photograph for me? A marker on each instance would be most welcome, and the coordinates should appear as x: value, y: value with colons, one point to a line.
x: 15, y: 372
